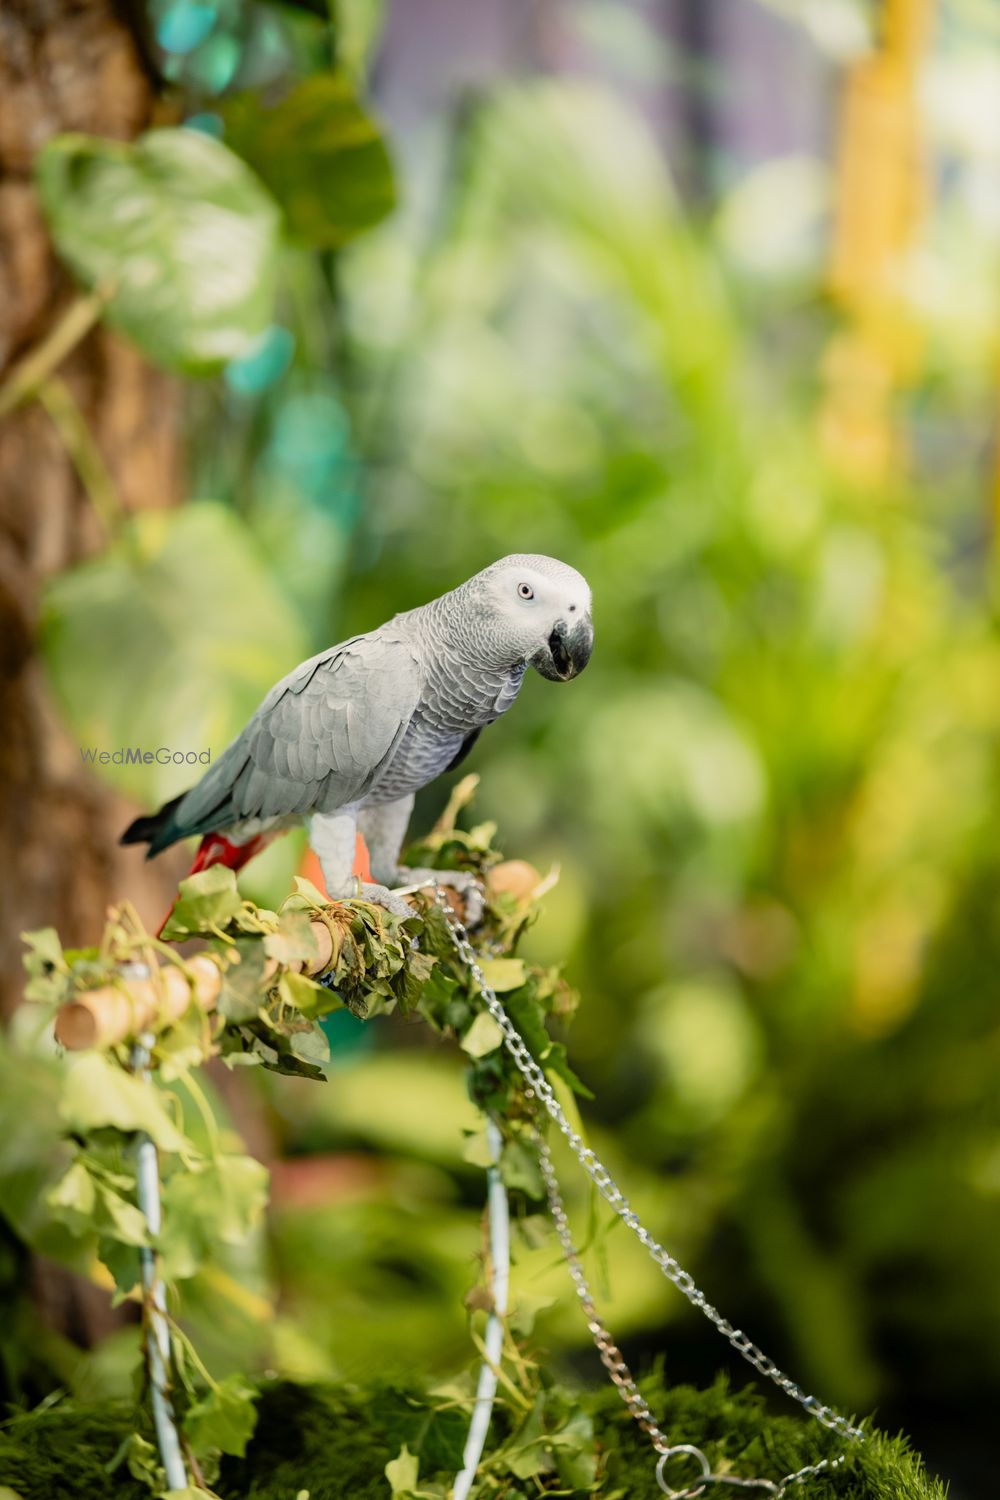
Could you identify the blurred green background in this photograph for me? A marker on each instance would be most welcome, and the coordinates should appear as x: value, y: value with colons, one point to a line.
x: 705, y: 300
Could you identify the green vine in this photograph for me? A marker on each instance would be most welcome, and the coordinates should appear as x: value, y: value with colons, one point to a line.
x: 278, y: 974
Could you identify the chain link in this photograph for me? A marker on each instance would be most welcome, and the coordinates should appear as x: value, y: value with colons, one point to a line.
x: 622, y: 1377
x: 540, y: 1087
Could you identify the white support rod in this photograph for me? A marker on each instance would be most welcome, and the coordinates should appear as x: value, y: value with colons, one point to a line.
x: 156, y: 1330
x: 499, y: 1222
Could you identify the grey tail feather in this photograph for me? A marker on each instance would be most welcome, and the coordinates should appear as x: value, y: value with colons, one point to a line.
x: 161, y: 829
x: 157, y: 829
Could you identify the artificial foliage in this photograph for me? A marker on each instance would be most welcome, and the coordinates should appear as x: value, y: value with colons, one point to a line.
x: 267, y: 1013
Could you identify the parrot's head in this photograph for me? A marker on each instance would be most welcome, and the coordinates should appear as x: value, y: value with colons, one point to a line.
x: 540, y: 612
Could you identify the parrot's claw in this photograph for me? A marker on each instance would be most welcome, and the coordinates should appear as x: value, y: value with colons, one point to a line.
x: 380, y: 895
x: 463, y: 884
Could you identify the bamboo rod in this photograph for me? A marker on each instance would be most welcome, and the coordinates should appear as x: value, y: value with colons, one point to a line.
x: 156, y: 1330
x: 106, y: 1016
x: 112, y: 1013
x: 486, y: 1389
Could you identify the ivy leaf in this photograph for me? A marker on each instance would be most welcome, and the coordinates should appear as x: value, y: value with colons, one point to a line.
x: 528, y: 1455
x: 402, y: 1471
x: 45, y: 964
x: 519, y: 1169
x: 303, y: 994
x: 186, y: 608
x: 143, y: 1461
x: 573, y: 1446
x: 415, y: 974
x: 180, y: 232
x: 310, y: 893
x: 45, y: 946
x: 294, y: 940
x: 311, y: 1046
x: 123, y: 1262
x: 120, y: 1220
x: 321, y: 155
x: 205, y: 900
x: 98, y: 1093
x: 241, y: 996
x: 224, y: 1418
x: 73, y: 1198
x: 224, y: 1201
x: 504, y: 974
x: 483, y: 1036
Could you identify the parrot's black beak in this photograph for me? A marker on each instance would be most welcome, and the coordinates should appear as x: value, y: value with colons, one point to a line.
x: 566, y: 652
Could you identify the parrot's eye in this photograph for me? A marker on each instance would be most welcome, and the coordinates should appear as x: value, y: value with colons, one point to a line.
x: 525, y: 591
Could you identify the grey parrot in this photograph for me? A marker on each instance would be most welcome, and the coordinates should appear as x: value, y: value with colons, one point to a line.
x: 346, y: 739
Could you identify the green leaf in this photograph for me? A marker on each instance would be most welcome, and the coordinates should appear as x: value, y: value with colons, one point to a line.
x: 224, y: 1418
x: 182, y: 234
x: 45, y: 946
x: 45, y: 964
x: 311, y: 1046
x: 321, y: 155
x: 477, y: 1150
x: 294, y: 940
x: 483, y: 1036
x: 98, y: 1093
x: 303, y: 994
x: 310, y: 893
x: 120, y: 1220
x: 73, y: 1198
x: 197, y: 630
x: 144, y: 1462
x: 519, y: 1169
x: 573, y: 1445
x: 223, y: 1202
x: 205, y: 900
x: 123, y: 1262
x: 402, y: 1471
x: 504, y: 973
x: 241, y: 996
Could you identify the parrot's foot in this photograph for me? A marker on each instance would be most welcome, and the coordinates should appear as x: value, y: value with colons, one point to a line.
x: 465, y: 886
x: 378, y: 895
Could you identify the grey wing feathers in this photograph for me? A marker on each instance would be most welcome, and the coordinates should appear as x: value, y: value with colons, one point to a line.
x: 319, y: 739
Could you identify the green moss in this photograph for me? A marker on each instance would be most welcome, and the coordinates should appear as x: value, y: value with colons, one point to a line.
x: 738, y: 1428
x: 335, y: 1443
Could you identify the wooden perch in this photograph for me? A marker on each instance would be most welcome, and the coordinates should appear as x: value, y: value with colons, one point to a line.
x: 103, y: 1017
x: 108, y: 1015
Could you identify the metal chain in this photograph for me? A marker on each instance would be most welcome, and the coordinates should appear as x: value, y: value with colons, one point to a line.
x: 611, y: 1355
x: 622, y: 1377
x: 535, y: 1077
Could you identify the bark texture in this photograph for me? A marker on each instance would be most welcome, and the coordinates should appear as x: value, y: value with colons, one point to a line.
x: 64, y: 65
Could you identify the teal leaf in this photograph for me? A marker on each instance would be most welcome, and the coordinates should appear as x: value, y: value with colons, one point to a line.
x: 322, y: 156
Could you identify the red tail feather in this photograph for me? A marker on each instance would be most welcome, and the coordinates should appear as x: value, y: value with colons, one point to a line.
x: 216, y: 849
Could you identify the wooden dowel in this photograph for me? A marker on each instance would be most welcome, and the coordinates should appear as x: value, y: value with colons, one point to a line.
x: 106, y: 1016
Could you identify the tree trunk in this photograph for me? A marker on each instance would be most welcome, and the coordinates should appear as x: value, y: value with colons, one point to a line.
x: 64, y: 65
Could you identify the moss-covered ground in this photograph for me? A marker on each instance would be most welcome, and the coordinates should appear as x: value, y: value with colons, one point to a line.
x: 335, y: 1443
